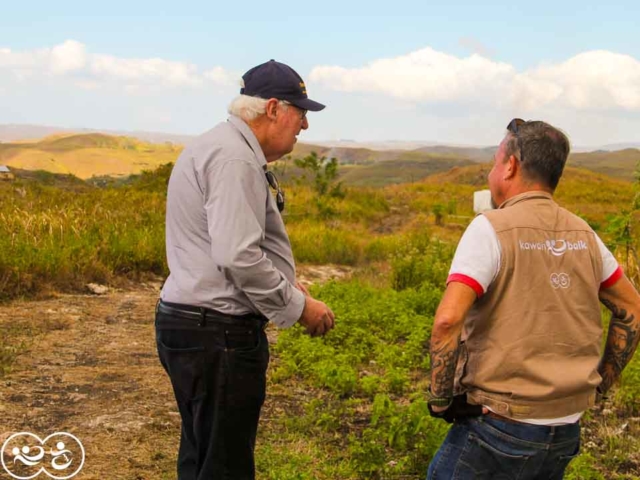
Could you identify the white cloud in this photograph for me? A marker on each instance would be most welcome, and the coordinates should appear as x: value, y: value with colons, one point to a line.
x: 23, y: 64
x: 145, y: 70
x: 596, y: 79
x: 592, y: 80
x: 220, y: 76
x: 424, y: 75
x: 68, y: 57
x: 91, y: 71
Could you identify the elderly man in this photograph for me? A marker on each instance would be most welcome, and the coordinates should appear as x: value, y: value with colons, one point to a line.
x: 515, y: 347
x: 232, y: 271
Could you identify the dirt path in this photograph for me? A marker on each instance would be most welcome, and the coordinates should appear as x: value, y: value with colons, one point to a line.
x: 95, y: 374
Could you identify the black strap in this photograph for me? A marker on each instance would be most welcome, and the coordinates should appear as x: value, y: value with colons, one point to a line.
x: 202, y: 316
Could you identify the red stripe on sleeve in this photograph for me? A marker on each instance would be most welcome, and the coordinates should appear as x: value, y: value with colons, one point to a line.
x: 468, y: 281
x: 615, y: 276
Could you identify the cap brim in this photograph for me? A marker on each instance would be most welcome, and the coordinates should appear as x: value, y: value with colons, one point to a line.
x: 307, y: 104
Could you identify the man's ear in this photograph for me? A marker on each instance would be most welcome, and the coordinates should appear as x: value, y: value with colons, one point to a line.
x: 513, y: 165
x: 271, y: 109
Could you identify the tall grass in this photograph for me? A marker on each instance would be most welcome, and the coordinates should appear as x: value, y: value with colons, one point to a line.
x: 50, y: 236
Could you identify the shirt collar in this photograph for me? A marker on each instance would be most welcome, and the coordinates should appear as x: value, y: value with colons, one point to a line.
x: 526, y: 196
x: 250, y: 138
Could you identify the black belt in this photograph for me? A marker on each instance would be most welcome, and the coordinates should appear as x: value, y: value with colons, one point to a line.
x: 203, y: 316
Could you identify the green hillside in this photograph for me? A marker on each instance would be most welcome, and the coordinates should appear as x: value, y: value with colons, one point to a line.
x: 620, y: 164
x: 407, y: 168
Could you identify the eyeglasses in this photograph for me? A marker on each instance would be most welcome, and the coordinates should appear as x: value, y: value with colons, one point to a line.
x: 514, y: 127
x: 301, y: 111
x: 273, y: 183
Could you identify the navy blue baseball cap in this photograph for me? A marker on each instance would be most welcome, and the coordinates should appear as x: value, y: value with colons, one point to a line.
x: 277, y: 80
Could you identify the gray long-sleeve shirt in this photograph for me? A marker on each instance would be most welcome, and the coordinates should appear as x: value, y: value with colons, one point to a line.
x: 227, y: 247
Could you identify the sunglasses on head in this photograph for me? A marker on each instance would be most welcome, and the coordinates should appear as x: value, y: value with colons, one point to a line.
x: 273, y: 183
x: 514, y: 127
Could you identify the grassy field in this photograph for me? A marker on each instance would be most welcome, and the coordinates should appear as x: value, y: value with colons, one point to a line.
x: 354, y: 403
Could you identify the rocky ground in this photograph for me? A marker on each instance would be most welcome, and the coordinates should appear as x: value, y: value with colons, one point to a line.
x: 89, y: 367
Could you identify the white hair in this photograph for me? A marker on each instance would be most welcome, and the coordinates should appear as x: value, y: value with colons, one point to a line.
x: 249, y: 108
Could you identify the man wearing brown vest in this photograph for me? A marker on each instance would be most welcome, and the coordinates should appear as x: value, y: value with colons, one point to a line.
x: 515, y: 347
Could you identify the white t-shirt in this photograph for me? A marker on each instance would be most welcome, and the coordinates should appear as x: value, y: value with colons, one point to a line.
x: 476, y: 263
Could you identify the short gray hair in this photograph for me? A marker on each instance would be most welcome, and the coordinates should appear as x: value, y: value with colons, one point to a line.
x: 545, y: 150
x: 249, y: 108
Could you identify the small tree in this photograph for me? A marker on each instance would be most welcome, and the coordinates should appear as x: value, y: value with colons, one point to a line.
x: 324, y: 174
x: 438, y: 212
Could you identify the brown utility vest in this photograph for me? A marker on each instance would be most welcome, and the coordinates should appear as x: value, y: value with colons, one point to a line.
x: 532, y: 341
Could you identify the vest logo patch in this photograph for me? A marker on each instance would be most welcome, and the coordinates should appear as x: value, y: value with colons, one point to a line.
x: 554, y: 247
x: 560, y: 280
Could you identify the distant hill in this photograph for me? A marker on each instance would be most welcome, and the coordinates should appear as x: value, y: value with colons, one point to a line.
x: 611, y: 147
x: 359, y: 156
x: 408, y: 167
x: 15, y: 132
x: 347, y: 155
x: 88, y: 155
x: 99, y: 155
x: 620, y: 164
x: 477, y: 154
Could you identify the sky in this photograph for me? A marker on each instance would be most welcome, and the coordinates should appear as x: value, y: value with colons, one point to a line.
x: 448, y: 72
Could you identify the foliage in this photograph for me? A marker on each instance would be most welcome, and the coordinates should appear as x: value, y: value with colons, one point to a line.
x: 326, y: 188
x: 324, y: 172
x: 65, y: 238
x: 421, y: 260
x: 582, y: 468
x: 358, y: 408
x: 375, y: 361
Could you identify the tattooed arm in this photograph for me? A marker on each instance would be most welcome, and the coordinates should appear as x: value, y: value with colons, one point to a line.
x: 623, y: 301
x: 445, y: 337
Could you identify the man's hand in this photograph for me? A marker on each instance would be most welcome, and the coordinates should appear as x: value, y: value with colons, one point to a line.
x: 316, y: 317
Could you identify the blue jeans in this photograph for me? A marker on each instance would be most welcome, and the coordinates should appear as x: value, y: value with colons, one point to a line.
x: 488, y: 448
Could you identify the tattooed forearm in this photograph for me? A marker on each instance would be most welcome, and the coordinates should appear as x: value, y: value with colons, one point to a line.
x: 444, y: 358
x: 622, y: 341
x: 617, y: 312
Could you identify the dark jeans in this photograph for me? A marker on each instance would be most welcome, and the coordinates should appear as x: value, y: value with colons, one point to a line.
x: 218, y: 373
x: 488, y: 448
